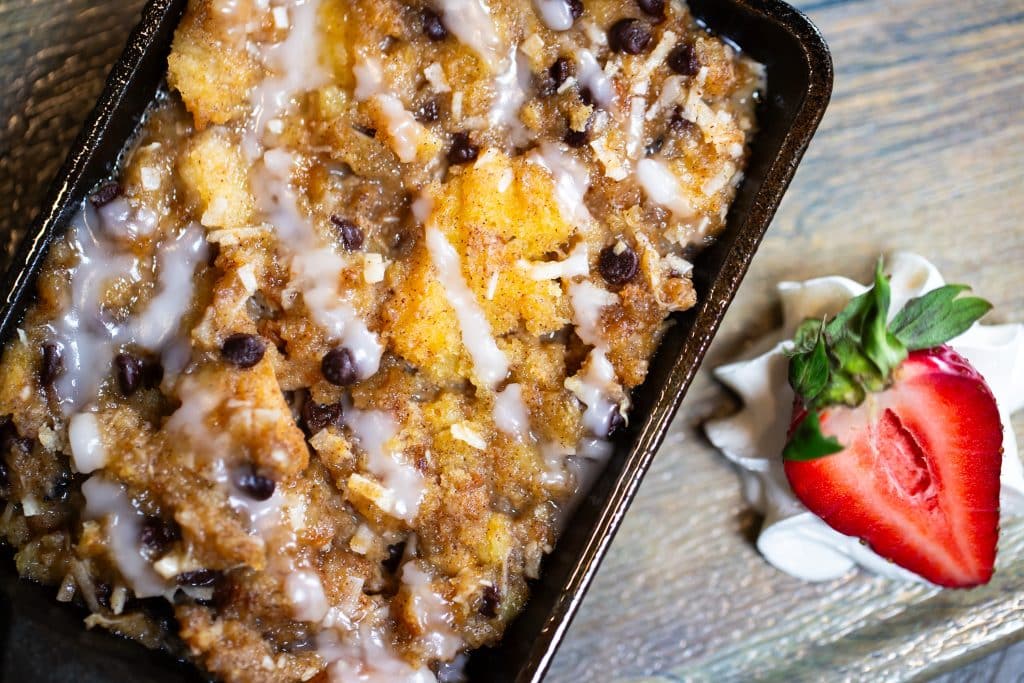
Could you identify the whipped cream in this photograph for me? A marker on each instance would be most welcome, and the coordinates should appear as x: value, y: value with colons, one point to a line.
x: 793, y: 539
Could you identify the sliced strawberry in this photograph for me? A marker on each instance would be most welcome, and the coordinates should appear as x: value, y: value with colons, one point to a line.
x: 918, y: 474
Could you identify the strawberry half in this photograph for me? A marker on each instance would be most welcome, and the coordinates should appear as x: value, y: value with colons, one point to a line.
x: 895, y: 438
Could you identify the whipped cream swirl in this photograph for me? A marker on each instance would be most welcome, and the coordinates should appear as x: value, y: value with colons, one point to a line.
x: 793, y: 539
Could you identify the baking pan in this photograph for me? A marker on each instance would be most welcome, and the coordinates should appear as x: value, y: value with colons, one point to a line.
x: 41, y: 640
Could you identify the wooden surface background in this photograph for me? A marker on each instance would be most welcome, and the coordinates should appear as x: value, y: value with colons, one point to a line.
x: 922, y: 149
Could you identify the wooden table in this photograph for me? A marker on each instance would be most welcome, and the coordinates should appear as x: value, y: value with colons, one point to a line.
x: 922, y: 149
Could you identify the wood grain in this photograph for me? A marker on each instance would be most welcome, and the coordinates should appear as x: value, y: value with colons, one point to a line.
x: 922, y: 149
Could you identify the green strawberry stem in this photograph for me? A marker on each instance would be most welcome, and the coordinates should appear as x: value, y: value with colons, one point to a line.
x: 840, y: 361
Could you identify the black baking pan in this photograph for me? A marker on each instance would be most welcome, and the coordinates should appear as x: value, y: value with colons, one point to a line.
x: 42, y: 640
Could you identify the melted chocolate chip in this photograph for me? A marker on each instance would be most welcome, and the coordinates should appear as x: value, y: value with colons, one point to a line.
x: 5, y: 480
x: 652, y: 8
x: 157, y: 536
x: 351, y: 235
x: 318, y: 416
x: 433, y: 27
x: 365, y: 130
x: 339, y: 367
x: 129, y: 370
x: 683, y: 60
x: 618, y: 268
x: 256, y: 486
x: 152, y: 373
x: 489, y: 602
x: 587, y: 96
x: 576, y: 138
x: 394, y: 558
x: 52, y: 365
x: 200, y: 578
x: 243, y: 350
x: 428, y: 112
x: 103, y: 590
x: 678, y: 123
x: 462, y: 150
x: 655, y: 146
x: 106, y: 193
x: 630, y: 36
x: 561, y: 69
x: 58, y: 487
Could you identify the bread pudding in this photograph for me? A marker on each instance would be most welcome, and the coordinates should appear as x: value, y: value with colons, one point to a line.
x: 308, y: 390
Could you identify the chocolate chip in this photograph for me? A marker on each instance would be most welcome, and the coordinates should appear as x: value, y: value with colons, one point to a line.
x: 618, y: 264
x: 587, y: 96
x: 243, y: 350
x: 683, y: 60
x: 394, y: 558
x: 365, y: 130
x: 339, y: 367
x: 678, y: 123
x: 52, y: 366
x: 5, y: 480
x: 561, y: 69
x: 653, y: 8
x: 576, y: 138
x: 58, y: 487
x: 616, y: 422
x: 428, y: 112
x: 318, y: 416
x: 102, y: 591
x: 199, y: 578
x: 256, y: 486
x: 462, y: 150
x: 433, y: 26
x: 351, y: 235
x: 630, y: 36
x: 489, y: 602
x: 106, y: 193
x: 152, y: 373
x: 129, y: 370
x: 575, y: 8
x: 655, y: 146
x: 157, y: 536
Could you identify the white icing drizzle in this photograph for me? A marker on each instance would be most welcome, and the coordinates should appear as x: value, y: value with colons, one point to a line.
x: 369, y: 78
x: 374, y: 431
x: 295, y: 64
x: 510, y: 414
x: 433, y: 614
x: 89, y: 338
x: 306, y: 594
x: 572, y: 180
x: 576, y: 263
x: 402, y: 127
x: 556, y: 14
x: 470, y: 21
x: 316, y: 273
x: 510, y: 88
x: 87, y: 450
x: 120, y: 220
x: 663, y: 187
x: 489, y: 362
x: 590, y: 75
x: 588, y: 299
x: 109, y: 502
x: 366, y: 656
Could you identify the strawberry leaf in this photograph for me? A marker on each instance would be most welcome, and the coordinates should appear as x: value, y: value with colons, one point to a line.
x: 938, y: 316
x: 807, y: 441
x: 809, y: 370
x: 880, y: 345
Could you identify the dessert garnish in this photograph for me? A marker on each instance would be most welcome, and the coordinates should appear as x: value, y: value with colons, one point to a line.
x: 895, y: 437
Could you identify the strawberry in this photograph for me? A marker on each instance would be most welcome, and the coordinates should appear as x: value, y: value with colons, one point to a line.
x: 895, y: 438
